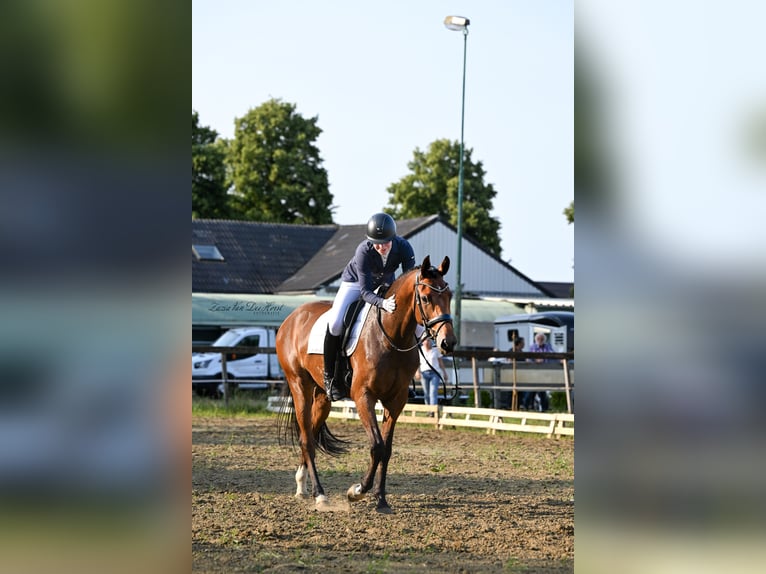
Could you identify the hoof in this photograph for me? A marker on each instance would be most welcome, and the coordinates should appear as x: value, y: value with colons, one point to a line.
x: 302, y: 495
x: 355, y: 493
x: 386, y: 509
x: 321, y: 503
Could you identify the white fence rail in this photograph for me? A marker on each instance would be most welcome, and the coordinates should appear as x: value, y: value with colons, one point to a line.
x: 493, y: 420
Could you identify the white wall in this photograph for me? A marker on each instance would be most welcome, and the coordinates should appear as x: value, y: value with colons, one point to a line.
x: 481, y: 273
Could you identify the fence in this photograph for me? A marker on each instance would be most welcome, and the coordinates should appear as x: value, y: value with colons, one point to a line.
x: 509, y: 372
x: 493, y: 420
x: 224, y: 379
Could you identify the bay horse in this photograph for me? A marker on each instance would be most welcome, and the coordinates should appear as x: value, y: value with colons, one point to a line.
x: 383, y: 364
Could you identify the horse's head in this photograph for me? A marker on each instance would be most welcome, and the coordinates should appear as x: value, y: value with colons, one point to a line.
x: 432, y: 298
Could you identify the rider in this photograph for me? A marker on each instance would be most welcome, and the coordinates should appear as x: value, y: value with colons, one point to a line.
x: 373, y: 264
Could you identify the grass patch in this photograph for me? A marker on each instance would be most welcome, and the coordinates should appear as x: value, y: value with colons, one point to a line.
x: 240, y: 404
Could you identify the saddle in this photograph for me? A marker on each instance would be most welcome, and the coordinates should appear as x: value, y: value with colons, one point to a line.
x: 343, y: 371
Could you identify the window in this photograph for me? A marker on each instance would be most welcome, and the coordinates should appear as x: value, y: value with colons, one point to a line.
x: 250, y: 341
x: 207, y: 253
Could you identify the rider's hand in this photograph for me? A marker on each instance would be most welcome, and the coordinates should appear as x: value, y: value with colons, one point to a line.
x: 389, y: 304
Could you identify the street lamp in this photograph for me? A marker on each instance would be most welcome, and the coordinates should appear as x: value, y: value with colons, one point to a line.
x: 459, y: 24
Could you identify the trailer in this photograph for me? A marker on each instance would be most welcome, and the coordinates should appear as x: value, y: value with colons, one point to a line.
x: 557, y: 326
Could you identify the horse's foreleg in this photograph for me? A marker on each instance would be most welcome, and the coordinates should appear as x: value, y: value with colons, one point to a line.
x: 380, y: 484
x: 357, y: 491
x: 377, y: 450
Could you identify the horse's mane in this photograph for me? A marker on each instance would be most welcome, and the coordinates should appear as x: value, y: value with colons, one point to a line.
x: 399, y: 281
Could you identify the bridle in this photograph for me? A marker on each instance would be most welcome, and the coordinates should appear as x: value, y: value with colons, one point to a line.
x: 427, y: 324
x: 444, y: 318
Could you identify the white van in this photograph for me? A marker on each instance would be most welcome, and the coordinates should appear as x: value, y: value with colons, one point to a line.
x: 245, y: 371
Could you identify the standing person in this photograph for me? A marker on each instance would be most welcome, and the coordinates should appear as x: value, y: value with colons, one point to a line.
x: 518, y: 347
x: 540, y: 345
x: 373, y: 264
x: 430, y: 358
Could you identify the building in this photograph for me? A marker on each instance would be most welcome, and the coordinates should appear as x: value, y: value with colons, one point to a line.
x: 253, y: 262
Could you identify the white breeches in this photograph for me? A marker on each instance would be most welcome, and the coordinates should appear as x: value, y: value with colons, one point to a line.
x: 347, y: 294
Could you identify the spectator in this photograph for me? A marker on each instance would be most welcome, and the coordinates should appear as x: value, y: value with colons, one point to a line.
x: 430, y: 358
x: 518, y: 347
x: 540, y: 345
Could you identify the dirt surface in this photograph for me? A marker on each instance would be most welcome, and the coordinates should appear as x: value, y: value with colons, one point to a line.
x: 462, y: 500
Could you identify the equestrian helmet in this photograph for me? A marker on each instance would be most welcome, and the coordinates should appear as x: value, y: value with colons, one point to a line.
x: 381, y: 228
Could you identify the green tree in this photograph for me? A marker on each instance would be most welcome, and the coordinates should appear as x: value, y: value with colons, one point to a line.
x: 569, y: 212
x: 276, y: 169
x: 209, y: 198
x: 432, y: 187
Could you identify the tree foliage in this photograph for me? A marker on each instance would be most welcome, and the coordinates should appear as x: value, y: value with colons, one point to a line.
x: 209, y: 198
x: 276, y: 169
x: 432, y: 187
x: 569, y: 212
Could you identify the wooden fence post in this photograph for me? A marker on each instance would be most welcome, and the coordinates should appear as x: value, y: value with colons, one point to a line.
x: 476, y: 397
x: 225, y: 378
x: 515, y: 395
x: 566, y: 385
x: 496, y: 377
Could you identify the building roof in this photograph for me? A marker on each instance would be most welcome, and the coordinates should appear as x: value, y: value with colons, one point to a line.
x: 257, y: 256
x: 557, y: 289
x: 268, y: 258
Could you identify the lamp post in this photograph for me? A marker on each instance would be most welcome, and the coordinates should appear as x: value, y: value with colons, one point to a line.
x: 459, y: 24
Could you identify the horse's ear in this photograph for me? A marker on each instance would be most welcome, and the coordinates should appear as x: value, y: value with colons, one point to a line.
x: 444, y: 267
x: 426, y: 266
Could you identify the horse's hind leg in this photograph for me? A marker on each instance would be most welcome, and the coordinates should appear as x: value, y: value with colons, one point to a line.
x: 301, y: 480
x: 312, y: 415
x: 302, y: 474
x: 319, y: 412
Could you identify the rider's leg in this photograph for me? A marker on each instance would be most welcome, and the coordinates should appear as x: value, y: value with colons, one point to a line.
x: 347, y: 294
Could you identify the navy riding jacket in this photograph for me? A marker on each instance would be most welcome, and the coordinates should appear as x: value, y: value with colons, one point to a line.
x: 366, y: 267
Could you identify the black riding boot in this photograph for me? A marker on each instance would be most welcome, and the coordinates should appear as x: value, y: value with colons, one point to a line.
x: 333, y: 388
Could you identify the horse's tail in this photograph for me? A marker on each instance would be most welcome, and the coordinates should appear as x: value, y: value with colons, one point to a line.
x: 289, y: 432
x: 329, y: 443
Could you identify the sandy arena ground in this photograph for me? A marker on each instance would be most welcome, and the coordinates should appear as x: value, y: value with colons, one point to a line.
x: 463, y: 501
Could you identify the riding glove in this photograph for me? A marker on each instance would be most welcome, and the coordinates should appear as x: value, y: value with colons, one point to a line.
x: 389, y: 304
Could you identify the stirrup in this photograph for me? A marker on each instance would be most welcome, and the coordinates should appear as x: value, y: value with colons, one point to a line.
x: 334, y: 393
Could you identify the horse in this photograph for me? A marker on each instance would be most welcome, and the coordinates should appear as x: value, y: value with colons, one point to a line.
x: 383, y: 364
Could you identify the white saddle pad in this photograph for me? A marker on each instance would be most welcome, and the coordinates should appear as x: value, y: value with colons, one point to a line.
x: 316, y: 337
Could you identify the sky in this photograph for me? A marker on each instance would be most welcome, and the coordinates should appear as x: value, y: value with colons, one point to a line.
x: 385, y: 78
x: 680, y: 97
